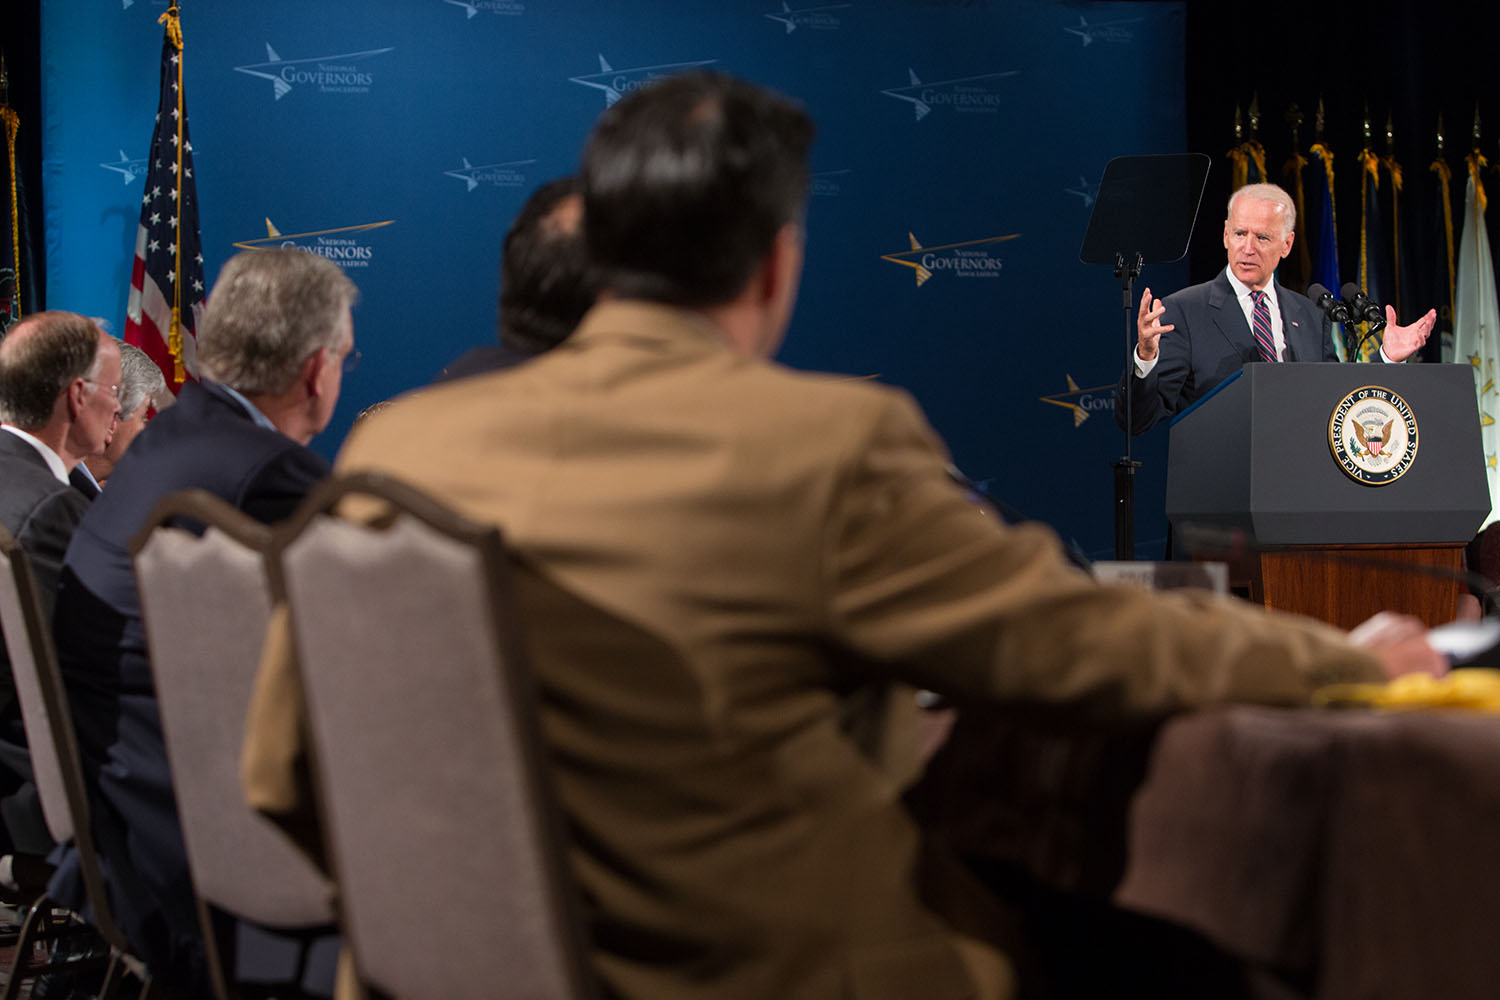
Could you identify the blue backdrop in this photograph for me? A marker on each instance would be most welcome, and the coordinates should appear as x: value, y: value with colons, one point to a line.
x: 960, y: 147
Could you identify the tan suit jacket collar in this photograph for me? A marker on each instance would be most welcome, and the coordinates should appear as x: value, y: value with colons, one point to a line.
x: 649, y: 322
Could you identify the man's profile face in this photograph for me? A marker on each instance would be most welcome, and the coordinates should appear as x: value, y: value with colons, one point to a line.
x: 125, y: 432
x: 1255, y: 241
x: 101, y: 405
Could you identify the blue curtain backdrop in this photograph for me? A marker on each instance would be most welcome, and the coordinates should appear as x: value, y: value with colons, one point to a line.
x: 398, y: 137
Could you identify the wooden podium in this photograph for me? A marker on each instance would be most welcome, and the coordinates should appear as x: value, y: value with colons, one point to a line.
x: 1274, y: 470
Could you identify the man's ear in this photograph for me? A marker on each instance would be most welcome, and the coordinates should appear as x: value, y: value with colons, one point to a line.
x: 311, y: 375
x: 782, y: 264
x: 78, y: 392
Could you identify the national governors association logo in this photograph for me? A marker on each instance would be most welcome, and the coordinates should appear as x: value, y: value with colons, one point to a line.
x: 127, y: 168
x: 1114, y: 32
x: 827, y: 183
x: 821, y: 18
x: 505, y: 175
x: 1086, y: 192
x: 505, y: 8
x: 616, y: 83
x: 972, y: 94
x: 1083, y: 403
x: 344, y: 73
x: 1373, y: 435
x: 346, y: 246
x: 970, y: 259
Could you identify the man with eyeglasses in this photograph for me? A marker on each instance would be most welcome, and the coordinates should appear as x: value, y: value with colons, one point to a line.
x: 143, y: 393
x: 272, y: 349
x: 59, y: 375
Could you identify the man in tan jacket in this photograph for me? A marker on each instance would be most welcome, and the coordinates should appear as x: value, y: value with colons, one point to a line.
x: 717, y: 554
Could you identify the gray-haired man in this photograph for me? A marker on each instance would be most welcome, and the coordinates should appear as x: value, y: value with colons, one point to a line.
x: 272, y: 347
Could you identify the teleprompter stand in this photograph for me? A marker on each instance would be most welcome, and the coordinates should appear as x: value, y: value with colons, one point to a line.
x: 1144, y: 214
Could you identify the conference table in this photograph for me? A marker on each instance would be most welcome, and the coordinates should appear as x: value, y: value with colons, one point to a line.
x: 1336, y: 854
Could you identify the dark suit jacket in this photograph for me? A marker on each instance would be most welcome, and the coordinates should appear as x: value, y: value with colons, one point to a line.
x: 208, y: 441
x: 83, y: 482
x: 40, y: 512
x: 1210, y: 342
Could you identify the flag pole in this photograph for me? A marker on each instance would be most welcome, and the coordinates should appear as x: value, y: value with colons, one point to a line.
x: 173, y: 23
x: 1393, y: 169
x: 1444, y: 174
x: 12, y: 123
x: 1295, y: 165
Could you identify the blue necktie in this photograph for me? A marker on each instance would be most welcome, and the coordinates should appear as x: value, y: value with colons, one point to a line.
x: 1263, y: 338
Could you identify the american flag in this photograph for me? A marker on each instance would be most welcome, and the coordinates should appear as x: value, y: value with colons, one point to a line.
x: 166, y: 283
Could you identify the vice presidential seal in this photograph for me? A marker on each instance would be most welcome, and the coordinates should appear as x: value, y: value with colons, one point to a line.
x: 1373, y: 435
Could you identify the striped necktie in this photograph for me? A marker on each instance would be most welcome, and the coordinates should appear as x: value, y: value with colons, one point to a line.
x: 1263, y: 338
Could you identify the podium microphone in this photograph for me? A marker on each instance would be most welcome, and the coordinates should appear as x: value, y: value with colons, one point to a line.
x: 1365, y: 309
x: 1332, y: 307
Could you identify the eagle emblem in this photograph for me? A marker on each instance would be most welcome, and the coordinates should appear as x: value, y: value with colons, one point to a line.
x: 1373, y: 435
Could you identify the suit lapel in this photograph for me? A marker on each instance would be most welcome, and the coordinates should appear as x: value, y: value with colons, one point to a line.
x: 1229, y: 319
x: 1301, y: 330
x: 1297, y: 330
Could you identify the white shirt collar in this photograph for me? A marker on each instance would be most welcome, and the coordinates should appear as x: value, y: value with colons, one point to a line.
x: 255, y: 415
x: 48, y: 455
x: 1242, y: 290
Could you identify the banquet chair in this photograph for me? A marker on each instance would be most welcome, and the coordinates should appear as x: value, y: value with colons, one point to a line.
x: 434, y: 796
x: 58, y: 773
x: 206, y: 601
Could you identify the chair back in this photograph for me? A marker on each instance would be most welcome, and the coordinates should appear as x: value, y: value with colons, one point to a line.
x: 53, y: 743
x: 206, y: 601
x: 435, y: 800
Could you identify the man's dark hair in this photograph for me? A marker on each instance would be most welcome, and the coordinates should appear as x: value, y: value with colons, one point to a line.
x: 687, y: 182
x: 39, y: 358
x: 546, y: 280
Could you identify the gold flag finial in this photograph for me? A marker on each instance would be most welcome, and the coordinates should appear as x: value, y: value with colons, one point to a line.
x: 1239, y: 125
x: 1440, y: 134
x: 1254, y: 115
x: 4, y: 81
x: 174, y: 26
x: 1294, y: 121
x: 1365, y: 124
x: 1319, y: 120
x: 1390, y: 136
x: 1476, y: 127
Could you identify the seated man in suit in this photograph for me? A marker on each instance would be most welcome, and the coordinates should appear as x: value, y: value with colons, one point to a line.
x: 59, y: 379
x: 546, y: 283
x: 271, y: 349
x: 143, y: 392
x: 1189, y: 342
x: 716, y: 556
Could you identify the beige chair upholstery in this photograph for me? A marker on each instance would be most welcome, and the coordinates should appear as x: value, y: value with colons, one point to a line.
x: 57, y: 768
x: 206, y: 601
x: 435, y: 801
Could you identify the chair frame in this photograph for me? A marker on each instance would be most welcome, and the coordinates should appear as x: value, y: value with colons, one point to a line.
x: 400, y: 498
x: 64, y: 746
x: 212, y: 511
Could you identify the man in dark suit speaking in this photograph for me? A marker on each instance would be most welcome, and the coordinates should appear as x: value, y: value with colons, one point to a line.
x: 1191, y: 341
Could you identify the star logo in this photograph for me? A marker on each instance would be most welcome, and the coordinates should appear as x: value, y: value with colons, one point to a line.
x: 964, y: 259
x: 616, y: 83
x: 1082, y: 401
